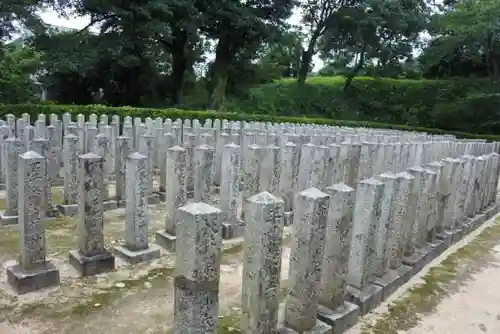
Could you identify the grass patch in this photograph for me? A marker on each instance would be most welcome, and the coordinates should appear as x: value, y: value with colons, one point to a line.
x: 422, y: 299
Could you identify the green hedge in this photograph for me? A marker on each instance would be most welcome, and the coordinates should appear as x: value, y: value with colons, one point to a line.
x: 445, y: 104
x: 34, y: 109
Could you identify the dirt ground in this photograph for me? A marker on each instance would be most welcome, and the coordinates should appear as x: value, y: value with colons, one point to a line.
x: 132, y: 299
x: 452, y: 295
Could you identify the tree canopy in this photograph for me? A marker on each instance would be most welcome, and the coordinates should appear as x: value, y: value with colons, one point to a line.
x: 197, y: 53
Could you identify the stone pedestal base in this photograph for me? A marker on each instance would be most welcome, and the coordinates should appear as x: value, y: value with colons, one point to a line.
x: 320, y: 328
x: 24, y: 281
x: 109, y: 205
x: 367, y: 299
x: 68, y: 210
x: 392, y: 280
x: 340, y: 319
x: 419, y: 259
x: 121, y: 203
x: 446, y: 237
x: 165, y: 240
x: 233, y: 229
x: 133, y: 257
x: 161, y: 195
x: 288, y: 218
x: 477, y: 221
x: 154, y: 199
x: 8, y: 219
x: 93, y: 265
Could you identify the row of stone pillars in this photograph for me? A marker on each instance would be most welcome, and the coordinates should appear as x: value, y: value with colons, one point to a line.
x: 351, y: 248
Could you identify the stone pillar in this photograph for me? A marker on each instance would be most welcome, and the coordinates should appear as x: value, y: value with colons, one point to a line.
x: 168, y: 141
x: 261, y: 264
x: 251, y: 170
x: 203, y: 168
x: 351, y: 151
x: 381, y: 255
x: 71, y: 152
x: 270, y: 169
x: 136, y: 247
x: 288, y: 178
x: 146, y: 147
x: 33, y: 271
x: 441, y: 193
x: 14, y: 148
x: 306, y: 166
x: 175, y: 195
x: 332, y: 308
x: 123, y: 149
x: 43, y: 147
x: 310, y: 221
x: 197, y: 269
x: 367, y: 211
x: 230, y: 191
x: 91, y: 257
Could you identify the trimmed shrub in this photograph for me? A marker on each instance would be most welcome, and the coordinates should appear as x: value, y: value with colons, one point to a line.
x: 34, y: 109
x: 425, y: 103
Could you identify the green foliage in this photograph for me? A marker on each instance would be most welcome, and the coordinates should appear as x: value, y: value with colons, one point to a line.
x: 425, y: 103
x: 17, y: 64
x: 34, y: 109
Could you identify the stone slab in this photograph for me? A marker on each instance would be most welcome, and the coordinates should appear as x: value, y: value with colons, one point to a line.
x: 121, y: 203
x: 393, y: 279
x: 477, y: 221
x: 109, y: 205
x: 165, y: 240
x: 88, y: 266
x: 367, y: 300
x: 436, y: 248
x: 68, y: 210
x: 8, y: 220
x: 446, y: 237
x: 340, y: 319
x: 233, y: 230
x: 288, y: 218
x: 320, y: 328
x: 419, y: 259
x: 154, y: 199
x: 161, y: 195
x: 23, y: 281
x: 133, y: 257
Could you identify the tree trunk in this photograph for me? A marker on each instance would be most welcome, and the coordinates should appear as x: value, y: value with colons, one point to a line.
x: 223, y: 57
x: 307, y: 56
x: 304, y: 66
x: 179, y: 65
x: 350, y: 77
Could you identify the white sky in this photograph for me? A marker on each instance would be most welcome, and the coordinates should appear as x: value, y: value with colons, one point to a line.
x: 51, y: 17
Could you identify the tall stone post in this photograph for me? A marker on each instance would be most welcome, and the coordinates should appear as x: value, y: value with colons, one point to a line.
x: 333, y: 309
x: 33, y: 271
x: 91, y: 257
x: 71, y: 152
x: 261, y: 264
x: 14, y: 148
x: 122, y: 151
x: 203, y: 164
x: 230, y: 191
x: 270, y: 172
x: 310, y: 221
x: 175, y: 195
x: 367, y: 211
x: 197, y: 269
x: 136, y: 247
x: 146, y: 147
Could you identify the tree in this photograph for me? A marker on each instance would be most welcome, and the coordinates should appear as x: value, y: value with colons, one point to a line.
x: 381, y: 30
x: 239, y: 25
x: 469, y: 31
x: 17, y: 66
x: 318, y: 16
